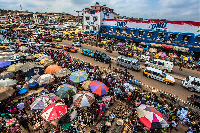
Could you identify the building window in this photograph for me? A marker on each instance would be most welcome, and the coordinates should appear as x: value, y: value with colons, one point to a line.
x: 87, y: 18
x: 94, y: 28
x: 94, y: 19
x: 87, y: 27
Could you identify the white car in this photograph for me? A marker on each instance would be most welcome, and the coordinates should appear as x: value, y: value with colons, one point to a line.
x: 191, y: 83
x: 158, y: 75
x: 77, y: 44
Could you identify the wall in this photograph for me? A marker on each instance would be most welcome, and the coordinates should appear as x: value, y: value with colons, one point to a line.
x: 100, y: 16
x: 177, y: 26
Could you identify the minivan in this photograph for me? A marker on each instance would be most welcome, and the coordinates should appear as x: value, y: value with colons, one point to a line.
x: 130, y: 63
x: 163, y: 65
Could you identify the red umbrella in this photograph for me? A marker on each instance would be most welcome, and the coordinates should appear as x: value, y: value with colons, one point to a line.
x: 54, y: 111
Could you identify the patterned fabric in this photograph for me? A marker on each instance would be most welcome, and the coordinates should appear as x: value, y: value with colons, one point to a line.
x: 90, y: 99
x: 77, y: 102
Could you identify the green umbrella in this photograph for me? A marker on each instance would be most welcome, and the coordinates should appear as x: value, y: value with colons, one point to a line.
x: 66, y: 125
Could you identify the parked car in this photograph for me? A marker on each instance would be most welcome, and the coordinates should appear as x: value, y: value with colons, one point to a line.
x: 70, y: 48
x: 87, y: 52
x: 101, y: 56
x: 58, y: 46
x: 77, y: 44
x: 53, y: 45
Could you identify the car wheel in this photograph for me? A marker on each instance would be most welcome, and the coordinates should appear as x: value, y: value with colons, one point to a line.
x: 191, y: 89
x: 167, y: 83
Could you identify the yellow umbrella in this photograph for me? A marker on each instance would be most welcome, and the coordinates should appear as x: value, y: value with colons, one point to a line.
x: 38, y: 55
x: 44, y: 60
x: 15, y: 67
x: 157, y: 56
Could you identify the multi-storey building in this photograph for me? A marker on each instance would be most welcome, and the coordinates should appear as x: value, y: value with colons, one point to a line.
x: 93, y: 18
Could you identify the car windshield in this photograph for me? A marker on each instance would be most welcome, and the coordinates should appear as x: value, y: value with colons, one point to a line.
x: 71, y: 47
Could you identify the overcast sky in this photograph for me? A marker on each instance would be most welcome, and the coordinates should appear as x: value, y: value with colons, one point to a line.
x: 187, y: 10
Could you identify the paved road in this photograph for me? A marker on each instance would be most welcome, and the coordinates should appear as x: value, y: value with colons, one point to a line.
x: 176, y: 89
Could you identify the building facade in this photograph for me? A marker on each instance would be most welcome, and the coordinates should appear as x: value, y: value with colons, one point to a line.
x: 93, y: 18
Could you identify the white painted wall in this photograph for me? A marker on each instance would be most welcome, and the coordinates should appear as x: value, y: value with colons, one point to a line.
x: 183, y: 27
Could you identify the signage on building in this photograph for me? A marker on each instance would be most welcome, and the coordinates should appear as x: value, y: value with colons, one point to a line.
x: 122, y: 23
x: 159, y: 25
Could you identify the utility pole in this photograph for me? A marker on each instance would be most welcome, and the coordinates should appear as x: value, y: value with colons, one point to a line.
x: 78, y: 15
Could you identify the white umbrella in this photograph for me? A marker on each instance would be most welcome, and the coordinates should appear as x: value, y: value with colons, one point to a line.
x: 128, y: 87
x: 7, y: 82
x: 43, y: 101
x: 63, y: 72
x: 83, y: 99
x: 45, y: 79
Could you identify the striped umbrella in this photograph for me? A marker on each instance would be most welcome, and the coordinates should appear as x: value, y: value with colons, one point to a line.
x: 98, y: 88
x: 78, y: 76
x: 151, y: 118
x: 83, y: 99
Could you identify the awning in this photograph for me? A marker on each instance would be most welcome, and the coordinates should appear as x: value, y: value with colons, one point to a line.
x: 165, y: 46
x: 148, y: 44
x: 182, y: 49
x: 156, y: 45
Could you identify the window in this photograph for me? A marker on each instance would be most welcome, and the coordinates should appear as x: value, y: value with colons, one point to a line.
x: 154, y: 62
x: 132, y: 31
x: 94, y: 28
x: 141, y: 33
x: 154, y: 73
x: 94, y: 19
x: 87, y: 17
x: 87, y: 27
x: 187, y: 79
x: 150, y: 33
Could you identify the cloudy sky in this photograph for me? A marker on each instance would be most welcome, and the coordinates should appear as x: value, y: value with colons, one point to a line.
x: 187, y: 10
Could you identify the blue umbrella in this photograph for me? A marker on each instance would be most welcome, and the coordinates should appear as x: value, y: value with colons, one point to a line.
x: 4, y: 64
x: 78, y: 76
x: 22, y: 91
